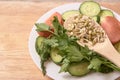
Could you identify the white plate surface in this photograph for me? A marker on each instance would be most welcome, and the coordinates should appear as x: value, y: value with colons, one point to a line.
x: 53, y: 69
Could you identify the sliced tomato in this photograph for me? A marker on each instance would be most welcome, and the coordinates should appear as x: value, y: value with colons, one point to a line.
x: 49, y: 23
x: 45, y: 33
x: 112, y: 27
x: 50, y: 19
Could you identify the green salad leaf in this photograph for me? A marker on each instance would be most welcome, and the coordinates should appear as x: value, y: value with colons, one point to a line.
x: 65, y: 65
x: 95, y: 64
x: 41, y: 27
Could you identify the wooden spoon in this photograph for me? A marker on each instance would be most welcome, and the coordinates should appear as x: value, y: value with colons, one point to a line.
x: 107, y: 50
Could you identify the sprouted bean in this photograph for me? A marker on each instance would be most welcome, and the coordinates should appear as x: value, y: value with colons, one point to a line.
x: 85, y: 29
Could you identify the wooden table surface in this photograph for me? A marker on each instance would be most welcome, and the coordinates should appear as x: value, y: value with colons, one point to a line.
x: 16, y: 21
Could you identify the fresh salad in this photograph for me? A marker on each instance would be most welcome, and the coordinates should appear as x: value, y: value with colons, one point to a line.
x: 56, y: 44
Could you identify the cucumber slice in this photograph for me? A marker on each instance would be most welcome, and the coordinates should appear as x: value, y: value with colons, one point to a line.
x: 69, y: 13
x: 38, y: 43
x: 105, y: 13
x: 90, y: 8
x: 56, y: 58
x: 78, y: 69
x: 96, y: 18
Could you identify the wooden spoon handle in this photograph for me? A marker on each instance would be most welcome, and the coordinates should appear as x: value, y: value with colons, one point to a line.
x: 108, y: 51
x: 112, y: 54
x: 114, y: 57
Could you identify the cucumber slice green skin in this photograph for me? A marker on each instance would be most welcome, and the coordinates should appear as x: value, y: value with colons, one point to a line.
x: 38, y: 43
x: 90, y: 8
x: 56, y: 58
x: 105, y: 13
x: 69, y: 13
x: 78, y: 69
x: 96, y: 18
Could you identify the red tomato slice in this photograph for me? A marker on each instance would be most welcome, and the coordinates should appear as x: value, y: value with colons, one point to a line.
x: 45, y: 33
x: 112, y: 27
x: 49, y: 23
x: 50, y: 19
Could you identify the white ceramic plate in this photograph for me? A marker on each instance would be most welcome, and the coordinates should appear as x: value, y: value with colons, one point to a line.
x: 51, y: 68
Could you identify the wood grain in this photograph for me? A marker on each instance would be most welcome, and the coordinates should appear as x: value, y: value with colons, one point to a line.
x: 16, y: 21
